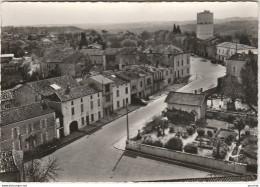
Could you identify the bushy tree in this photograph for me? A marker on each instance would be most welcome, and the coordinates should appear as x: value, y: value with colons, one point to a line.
x: 128, y: 43
x: 191, y: 148
x: 190, y: 130
x: 201, y: 132
x: 209, y: 132
x: 220, y: 150
x: 174, y: 144
x: 239, y: 125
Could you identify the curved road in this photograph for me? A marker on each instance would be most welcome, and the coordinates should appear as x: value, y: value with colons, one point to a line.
x: 93, y: 158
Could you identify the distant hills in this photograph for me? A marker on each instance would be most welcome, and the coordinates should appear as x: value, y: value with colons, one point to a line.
x: 221, y: 26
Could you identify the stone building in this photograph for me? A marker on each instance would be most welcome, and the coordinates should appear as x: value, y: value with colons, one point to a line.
x: 27, y: 127
x: 96, y: 56
x: 78, y: 107
x: 189, y: 102
x: 204, y: 25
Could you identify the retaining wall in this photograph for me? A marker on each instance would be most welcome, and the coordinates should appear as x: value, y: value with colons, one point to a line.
x: 208, y: 162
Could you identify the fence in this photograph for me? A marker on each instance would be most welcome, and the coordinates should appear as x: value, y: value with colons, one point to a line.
x: 208, y: 162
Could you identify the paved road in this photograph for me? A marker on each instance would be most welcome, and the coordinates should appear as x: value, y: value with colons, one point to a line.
x: 93, y: 158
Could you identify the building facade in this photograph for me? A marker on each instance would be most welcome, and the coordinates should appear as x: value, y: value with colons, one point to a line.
x: 27, y: 127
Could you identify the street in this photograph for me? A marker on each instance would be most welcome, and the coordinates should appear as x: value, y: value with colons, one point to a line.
x: 99, y: 157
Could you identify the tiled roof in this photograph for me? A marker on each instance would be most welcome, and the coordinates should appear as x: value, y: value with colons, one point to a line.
x: 101, y: 79
x: 111, y: 51
x: 129, y: 51
x: 115, y: 78
x: 43, y: 86
x: 241, y: 57
x: 234, y: 46
x: 7, y: 164
x: 93, y: 52
x: 76, y: 92
x: 7, y: 95
x: 73, y: 58
x: 57, y: 54
x: 128, y: 74
x: 185, y: 98
x: 23, y: 113
x: 163, y: 49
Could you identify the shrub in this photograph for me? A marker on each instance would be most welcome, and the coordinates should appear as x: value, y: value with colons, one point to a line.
x: 190, y: 130
x: 201, y: 132
x: 174, y: 144
x: 219, y: 152
x: 210, y: 133
x: 193, y: 126
x: 148, y: 140
x: 230, y: 118
x: 171, y: 129
x: 247, y: 133
x: 191, y: 148
x: 252, y: 167
x: 184, y: 136
x: 229, y: 139
x: 158, y: 143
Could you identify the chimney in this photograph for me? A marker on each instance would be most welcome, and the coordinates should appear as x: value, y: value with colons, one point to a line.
x: 201, y: 90
x: 67, y: 89
x: 195, y: 91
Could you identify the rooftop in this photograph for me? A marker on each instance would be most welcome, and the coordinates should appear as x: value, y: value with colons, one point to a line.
x: 22, y: 113
x: 46, y: 87
x: 115, y: 78
x: 235, y: 46
x: 111, y: 51
x: 163, y: 49
x: 241, y: 57
x: 101, y: 79
x: 73, y: 58
x: 93, y: 52
x: 7, y: 95
x: 76, y: 92
x: 185, y: 98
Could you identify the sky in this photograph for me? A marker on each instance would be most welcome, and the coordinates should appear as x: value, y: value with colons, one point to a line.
x: 38, y: 13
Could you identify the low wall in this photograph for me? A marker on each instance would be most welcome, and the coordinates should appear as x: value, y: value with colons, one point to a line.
x: 228, y: 166
x: 225, y: 114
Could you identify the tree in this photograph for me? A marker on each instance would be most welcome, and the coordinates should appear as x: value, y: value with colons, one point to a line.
x: 231, y: 88
x: 249, y: 76
x: 174, y: 144
x: 174, y: 30
x: 178, y: 30
x: 83, y: 41
x: 239, y: 125
x: 46, y: 170
x: 128, y: 43
x: 145, y: 35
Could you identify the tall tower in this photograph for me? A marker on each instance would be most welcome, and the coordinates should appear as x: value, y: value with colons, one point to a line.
x: 204, y: 25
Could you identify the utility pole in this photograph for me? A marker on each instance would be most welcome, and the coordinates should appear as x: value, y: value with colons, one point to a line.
x: 127, y: 125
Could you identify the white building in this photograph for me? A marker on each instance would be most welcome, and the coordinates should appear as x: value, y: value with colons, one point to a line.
x: 78, y: 106
x: 226, y: 49
x: 189, y: 102
x: 204, y: 25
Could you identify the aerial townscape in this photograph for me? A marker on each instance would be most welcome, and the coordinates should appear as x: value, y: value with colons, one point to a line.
x: 170, y: 103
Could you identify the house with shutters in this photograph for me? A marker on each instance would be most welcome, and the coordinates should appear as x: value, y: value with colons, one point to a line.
x: 26, y: 127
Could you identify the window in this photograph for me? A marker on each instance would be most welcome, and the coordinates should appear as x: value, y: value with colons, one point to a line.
x: 14, y: 132
x: 188, y: 61
x: 91, y: 105
x: 126, y: 100
x: 118, y: 104
x: 98, y: 102
x: 182, y: 62
x: 133, y: 87
x: 98, y: 94
x: 126, y: 90
x: 43, y: 123
x: 91, y: 97
x: 149, y: 80
x: 72, y: 103
x: 82, y: 107
x: 141, y: 83
x: 82, y: 121
x: 188, y: 70
x: 166, y: 72
x: 107, y: 88
x: 182, y: 71
x: 72, y: 111
x: 99, y: 115
x: 178, y: 63
x: 7, y: 106
x: 219, y: 51
x: 234, y: 69
x: 81, y: 100
x: 92, y: 117
x: 107, y: 98
x: 171, y: 71
x: 117, y: 93
x: 29, y: 128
